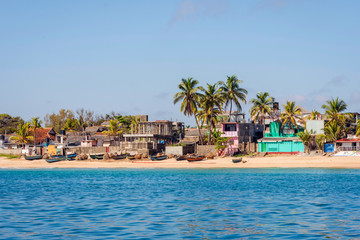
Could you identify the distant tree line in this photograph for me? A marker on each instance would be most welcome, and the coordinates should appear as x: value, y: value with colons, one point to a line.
x: 70, y: 120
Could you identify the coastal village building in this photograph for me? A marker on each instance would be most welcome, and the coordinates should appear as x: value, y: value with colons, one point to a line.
x: 153, y: 136
x: 348, y: 145
x: 280, y: 140
x: 242, y: 136
x: 45, y: 136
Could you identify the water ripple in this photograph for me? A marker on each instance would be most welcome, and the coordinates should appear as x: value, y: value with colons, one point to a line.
x: 180, y: 204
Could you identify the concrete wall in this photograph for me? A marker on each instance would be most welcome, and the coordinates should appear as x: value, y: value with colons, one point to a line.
x: 180, y: 150
x: 11, y: 151
x: 248, y: 147
x: 176, y: 150
x: 130, y: 147
x: 316, y: 126
x: 205, y: 149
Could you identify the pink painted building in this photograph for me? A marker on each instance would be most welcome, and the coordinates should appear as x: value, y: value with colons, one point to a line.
x: 230, y: 129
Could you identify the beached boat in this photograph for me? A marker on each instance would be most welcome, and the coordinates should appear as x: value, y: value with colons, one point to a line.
x: 52, y: 160
x: 71, y: 157
x: 97, y: 156
x: 130, y: 157
x: 159, y: 158
x: 236, y: 160
x: 118, y: 157
x: 34, y: 157
x: 194, y: 158
x: 180, y: 158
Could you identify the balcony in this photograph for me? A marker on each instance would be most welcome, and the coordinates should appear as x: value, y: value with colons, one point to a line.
x: 230, y: 134
x: 351, y: 149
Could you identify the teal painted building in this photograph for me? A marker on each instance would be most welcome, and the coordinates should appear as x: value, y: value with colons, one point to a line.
x: 280, y: 140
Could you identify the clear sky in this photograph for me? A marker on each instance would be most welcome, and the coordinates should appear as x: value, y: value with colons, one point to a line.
x: 129, y: 56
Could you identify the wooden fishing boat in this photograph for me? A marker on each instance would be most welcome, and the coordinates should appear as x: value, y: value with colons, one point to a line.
x: 34, y: 157
x: 97, y: 156
x: 236, y: 160
x: 118, y: 157
x: 130, y: 157
x: 52, y: 160
x: 194, y: 158
x: 71, y: 157
x: 180, y: 158
x: 158, y: 158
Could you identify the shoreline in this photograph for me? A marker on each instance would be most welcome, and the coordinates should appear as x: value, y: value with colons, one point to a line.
x: 226, y: 162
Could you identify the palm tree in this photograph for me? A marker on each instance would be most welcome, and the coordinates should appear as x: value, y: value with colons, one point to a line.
x: 135, y: 125
x: 306, y: 139
x: 358, y: 128
x: 315, y: 115
x: 22, y: 134
x: 291, y: 113
x: 334, y: 110
x: 233, y: 92
x: 320, y: 138
x: 114, y: 129
x: 211, y: 104
x: 190, y: 99
x: 34, y: 124
x: 262, y: 106
x: 332, y: 131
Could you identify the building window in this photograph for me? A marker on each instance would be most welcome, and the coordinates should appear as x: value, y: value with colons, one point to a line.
x: 230, y: 127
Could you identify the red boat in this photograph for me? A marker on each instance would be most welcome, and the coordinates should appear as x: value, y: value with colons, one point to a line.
x: 193, y: 158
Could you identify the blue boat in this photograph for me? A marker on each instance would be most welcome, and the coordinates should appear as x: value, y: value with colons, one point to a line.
x: 159, y: 158
x: 71, y: 157
x: 52, y: 160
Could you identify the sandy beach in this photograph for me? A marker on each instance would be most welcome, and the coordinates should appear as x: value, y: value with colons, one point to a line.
x: 260, y: 162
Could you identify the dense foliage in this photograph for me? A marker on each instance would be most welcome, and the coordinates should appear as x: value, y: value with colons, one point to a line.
x: 8, y: 124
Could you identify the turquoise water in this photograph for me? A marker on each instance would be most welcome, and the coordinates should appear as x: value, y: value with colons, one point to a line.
x: 180, y: 204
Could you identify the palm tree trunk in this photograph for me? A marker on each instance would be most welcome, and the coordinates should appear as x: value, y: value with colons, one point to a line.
x: 230, y: 110
x: 210, y: 131
x: 34, y: 142
x: 197, y: 124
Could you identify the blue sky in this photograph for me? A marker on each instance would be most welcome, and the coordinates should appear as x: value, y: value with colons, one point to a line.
x: 129, y: 56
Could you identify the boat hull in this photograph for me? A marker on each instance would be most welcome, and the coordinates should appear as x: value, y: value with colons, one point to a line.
x: 160, y: 158
x: 97, y: 156
x: 36, y: 157
x: 180, y: 158
x: 119, y: 157
x: 195, y: 159
x: 236, y: 160
x: 53, y: 160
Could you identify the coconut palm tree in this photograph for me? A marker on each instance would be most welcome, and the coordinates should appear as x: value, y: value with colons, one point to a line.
x: 315, y: 115
x: 334, y: 110
x: 306, y: 139
x: 291, y: 113
x: 320, y: 139
x: 332, y: 131
x: 358, y: 128
x: 114, y: 129
x: 23, y: 135
x: 262, y: 106
x: 190, y: 98
x: 135, y: 125
x: 233, y: 93
x: 211, y: 102
x: 35, y: 124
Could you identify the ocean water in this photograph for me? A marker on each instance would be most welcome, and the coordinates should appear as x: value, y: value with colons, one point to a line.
x: 180, y: 204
